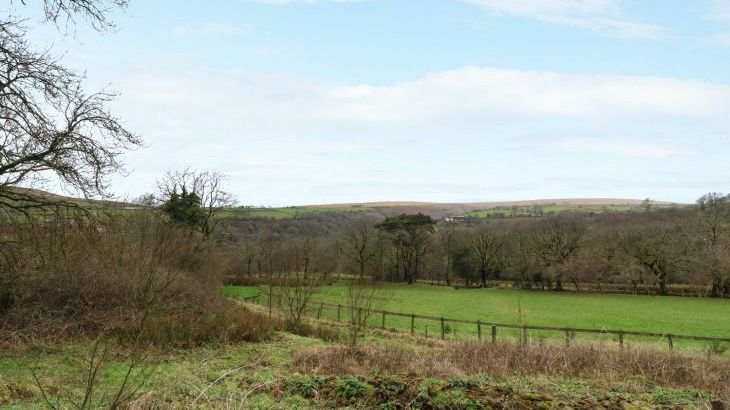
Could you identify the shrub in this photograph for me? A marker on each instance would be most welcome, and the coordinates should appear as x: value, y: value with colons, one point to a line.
x: 129, y: 276
x: 305, y: 386
x: 350, y: 387
x: 673, y: 369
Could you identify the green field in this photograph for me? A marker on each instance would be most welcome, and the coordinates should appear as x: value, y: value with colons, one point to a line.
x: 540, y: 210
x: 676, y: 315
x: 283, y: 213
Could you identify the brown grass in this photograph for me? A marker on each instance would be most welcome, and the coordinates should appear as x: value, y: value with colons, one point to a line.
x: 590, y: 361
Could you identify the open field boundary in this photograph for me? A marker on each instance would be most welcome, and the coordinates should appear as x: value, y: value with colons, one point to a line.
x: 493, y: 327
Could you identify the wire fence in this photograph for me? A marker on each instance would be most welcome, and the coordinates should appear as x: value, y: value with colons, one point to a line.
x: 460, y: 329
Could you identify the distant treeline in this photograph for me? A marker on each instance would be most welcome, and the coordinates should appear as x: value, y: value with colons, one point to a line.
x: 659, y: 248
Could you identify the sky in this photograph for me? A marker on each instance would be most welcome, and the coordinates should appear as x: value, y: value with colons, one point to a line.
x: 331, y: 101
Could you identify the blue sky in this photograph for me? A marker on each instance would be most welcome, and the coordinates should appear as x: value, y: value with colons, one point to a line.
x: 322, y: 101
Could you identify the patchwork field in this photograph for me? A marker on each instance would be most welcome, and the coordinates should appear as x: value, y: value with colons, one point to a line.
x: 284, y: 212
x: 539, y: 210
x: 677, y: 315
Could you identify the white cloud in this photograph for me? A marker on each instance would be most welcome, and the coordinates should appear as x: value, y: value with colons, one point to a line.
x: 602, y: 16
x: 469, y: 92
x: 523, y: 93
x: 621, y: 146
x: 288, y: 140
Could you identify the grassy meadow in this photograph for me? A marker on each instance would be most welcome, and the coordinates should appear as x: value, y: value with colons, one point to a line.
x: 677, y: 315
x: 536, y: 210
x: 284, y: 212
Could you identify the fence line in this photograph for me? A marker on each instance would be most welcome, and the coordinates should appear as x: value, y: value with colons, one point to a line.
x: 523, y: 328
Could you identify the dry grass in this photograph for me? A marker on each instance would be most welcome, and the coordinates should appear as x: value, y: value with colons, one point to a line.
x: 591, y: 361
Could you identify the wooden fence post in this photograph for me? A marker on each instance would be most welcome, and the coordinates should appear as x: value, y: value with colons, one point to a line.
x: 426, y: 331
x: 338, y: 312
x: 382, y: 323
x: 671, y: 343
x: 524, y: 334
x: 479, y: 330
x: 413, y: 323
x: 319, y: 311
x: 567, y: 337
x: 494, y: 334
x: 443, y: 331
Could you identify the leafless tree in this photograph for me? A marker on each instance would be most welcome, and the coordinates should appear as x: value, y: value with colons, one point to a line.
x: 486, y: 244
x: 360, y: 244
x: 95, y: 12
x: 521, y: 262
x: 50, y: 128
x: 362, y: 294
x: 447, y: 238
x: 294, y: 292
x: 714, y: 213
x: 557, y: 240
x: 657, y: 249
x: 207, y: 185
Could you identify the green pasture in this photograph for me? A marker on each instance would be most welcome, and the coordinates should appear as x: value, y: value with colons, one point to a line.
x: 654, y: 314
x: 283, y: 213
x: 540, y: 210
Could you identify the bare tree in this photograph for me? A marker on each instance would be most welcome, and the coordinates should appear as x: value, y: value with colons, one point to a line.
x: 521, y: 262
x: 657, y: 249
x: 294, y: 292
x: 557, y: 240
x: 96, y: 12
x: 48, y: 126
x: 447, y: 238
x: 714, y: 213
x: 50, y: 129
x: 360, y: 244
x: 647, y: 204
x: 486, y: 244
x: 361, y: 297
x: 206, y: 185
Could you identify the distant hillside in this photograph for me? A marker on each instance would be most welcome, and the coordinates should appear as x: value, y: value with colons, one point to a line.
x: 98, y: 203
x: 439, y: 210
x: 496, y: 209
x: 535, y: 207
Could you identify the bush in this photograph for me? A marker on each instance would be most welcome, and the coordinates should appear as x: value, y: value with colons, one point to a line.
x: 128, y: 276
x: 350, y: 387
x: 305, y: 386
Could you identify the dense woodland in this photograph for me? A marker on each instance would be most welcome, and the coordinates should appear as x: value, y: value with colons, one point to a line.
x: 660, y: 249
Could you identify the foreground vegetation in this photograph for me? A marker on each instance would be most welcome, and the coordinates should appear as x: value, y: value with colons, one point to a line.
x: 291, y: 371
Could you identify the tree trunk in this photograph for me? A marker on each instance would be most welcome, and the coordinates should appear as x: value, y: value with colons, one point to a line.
x: 448, y: 269
x: 559, y: 284
x: 715, y: 292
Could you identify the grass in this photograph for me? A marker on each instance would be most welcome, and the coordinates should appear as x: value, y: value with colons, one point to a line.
x: 677, y: 315
x: 265, y: 375
x: 539, y: 210
x: 283, y: 213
